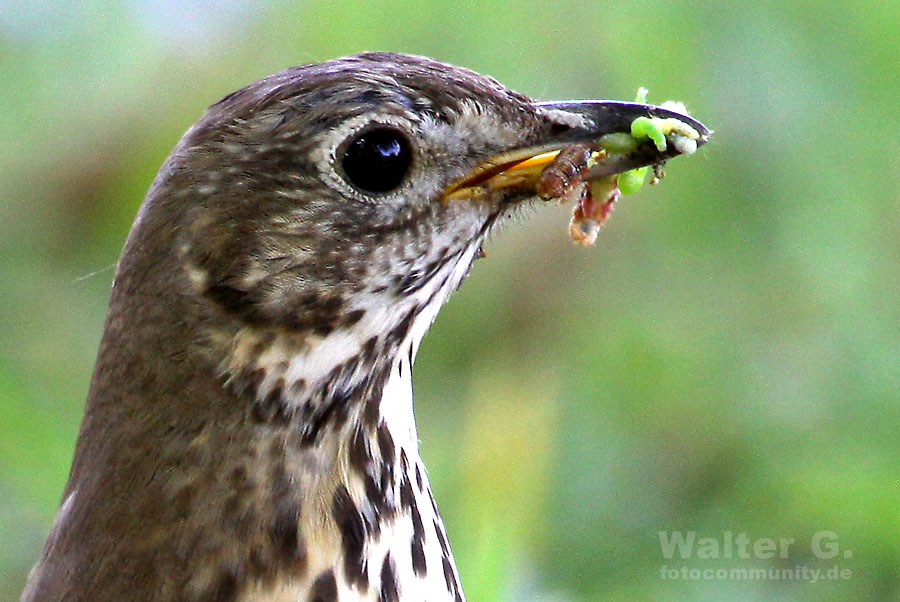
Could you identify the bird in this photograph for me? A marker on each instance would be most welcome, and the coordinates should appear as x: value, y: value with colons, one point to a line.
x: 249, y: 433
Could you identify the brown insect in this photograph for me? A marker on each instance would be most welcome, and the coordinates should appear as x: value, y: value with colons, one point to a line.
x: 563, y: 180
x: 564, y: 173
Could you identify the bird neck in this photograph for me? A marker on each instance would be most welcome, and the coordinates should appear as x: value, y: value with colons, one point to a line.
x: 254, y: 463
x: 332, y: 417
x: 346, y: 472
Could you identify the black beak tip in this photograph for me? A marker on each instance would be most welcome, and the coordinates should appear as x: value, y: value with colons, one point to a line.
x: 607, y: 116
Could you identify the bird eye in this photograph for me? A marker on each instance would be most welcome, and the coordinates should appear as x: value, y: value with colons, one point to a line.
x: 377, y: 160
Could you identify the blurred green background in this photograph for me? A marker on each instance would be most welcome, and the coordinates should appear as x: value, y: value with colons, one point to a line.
x: 727, y: 358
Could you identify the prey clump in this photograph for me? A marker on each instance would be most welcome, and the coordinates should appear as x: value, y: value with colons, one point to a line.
x: 564, y: 179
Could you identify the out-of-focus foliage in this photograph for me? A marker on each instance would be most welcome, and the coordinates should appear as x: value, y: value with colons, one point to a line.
x: 725, y: 359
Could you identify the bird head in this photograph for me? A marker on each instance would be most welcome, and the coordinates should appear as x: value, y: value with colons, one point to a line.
x: 319, y: 199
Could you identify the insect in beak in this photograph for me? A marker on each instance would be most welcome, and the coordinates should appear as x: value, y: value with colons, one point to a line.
x: 522, y: 167
x: 583, y: 163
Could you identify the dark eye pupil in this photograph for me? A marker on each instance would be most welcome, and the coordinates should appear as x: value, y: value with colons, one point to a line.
x: 377, y: 161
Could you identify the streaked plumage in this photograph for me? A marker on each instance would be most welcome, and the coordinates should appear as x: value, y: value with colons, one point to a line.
x: 249, y: 430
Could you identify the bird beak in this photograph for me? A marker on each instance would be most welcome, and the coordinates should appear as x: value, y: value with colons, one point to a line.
x: 519, y: 169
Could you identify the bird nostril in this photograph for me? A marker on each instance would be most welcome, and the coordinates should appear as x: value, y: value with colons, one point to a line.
x: 560, y: 128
